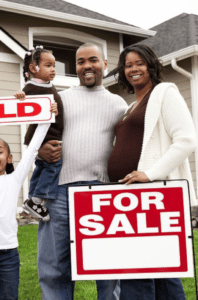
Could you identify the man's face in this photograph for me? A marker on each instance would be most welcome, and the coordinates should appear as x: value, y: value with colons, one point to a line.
x: 90, y: 66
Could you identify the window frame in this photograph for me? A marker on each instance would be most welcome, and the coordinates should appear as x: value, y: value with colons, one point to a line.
x: 64, y: 81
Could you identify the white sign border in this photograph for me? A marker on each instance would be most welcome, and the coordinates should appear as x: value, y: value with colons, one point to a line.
x: 20, y: 122
x: 156, y: 184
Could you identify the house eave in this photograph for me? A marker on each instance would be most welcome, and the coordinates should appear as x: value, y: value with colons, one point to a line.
x: 109, y: 81
x: 12, y: 44
x: 179, y: 55
x: 73, y: 19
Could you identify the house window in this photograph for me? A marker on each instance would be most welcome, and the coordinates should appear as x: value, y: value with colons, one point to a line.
x: 64, y: 51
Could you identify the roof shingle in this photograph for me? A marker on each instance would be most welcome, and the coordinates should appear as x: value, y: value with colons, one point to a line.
x: 177, y: 33
x: 68, y: 8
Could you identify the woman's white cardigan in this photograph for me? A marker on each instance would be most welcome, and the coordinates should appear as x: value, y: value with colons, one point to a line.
x: 169, y: 137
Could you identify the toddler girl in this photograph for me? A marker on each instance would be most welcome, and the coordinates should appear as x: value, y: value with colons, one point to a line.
x: 39, y: 70
x: 10, y: 184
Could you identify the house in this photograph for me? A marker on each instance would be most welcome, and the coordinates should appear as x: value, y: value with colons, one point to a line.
x: 61, y: 27
x: 176, y: 44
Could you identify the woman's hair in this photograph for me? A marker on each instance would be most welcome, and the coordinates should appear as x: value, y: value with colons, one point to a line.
x: 30, y: 56
x: 153, y: 64
x: 9, y: 167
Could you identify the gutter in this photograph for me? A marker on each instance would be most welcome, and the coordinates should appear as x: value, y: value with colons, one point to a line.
x: 180, y: 54
x: 73, y: 19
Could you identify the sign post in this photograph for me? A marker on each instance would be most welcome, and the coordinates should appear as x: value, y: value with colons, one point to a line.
x: 135, y: 231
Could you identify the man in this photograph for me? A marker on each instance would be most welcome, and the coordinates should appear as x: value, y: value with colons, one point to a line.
x: 90, y: 113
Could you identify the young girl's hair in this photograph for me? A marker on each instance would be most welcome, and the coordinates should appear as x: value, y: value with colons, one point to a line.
x: 9, y: 167
x: 30, y: 56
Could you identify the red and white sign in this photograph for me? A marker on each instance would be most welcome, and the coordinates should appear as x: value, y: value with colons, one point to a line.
x: 34, y: 109
x: 134, y: 231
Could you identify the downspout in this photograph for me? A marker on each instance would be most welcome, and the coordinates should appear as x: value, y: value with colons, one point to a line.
x: 23, y: 147
x: 121, y: 44
x: 180, y: 70
x: 194, y: 96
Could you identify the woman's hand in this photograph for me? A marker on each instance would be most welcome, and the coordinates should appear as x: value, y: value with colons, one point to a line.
x: 135, y: 176
x: 54, y: 109
x: 20, y: 95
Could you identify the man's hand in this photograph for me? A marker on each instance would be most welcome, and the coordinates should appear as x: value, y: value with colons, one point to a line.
x: 51, y: 151
x: 135, y: 176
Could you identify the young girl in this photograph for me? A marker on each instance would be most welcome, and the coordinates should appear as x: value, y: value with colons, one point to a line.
x: 10, y: 184
x: 39, y: 70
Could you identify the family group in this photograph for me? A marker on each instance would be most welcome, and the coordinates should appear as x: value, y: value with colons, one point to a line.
x: 153, y: 138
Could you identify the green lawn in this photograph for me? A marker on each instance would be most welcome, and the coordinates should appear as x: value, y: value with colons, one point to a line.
x: 29, y: 288
x: 84, y: 290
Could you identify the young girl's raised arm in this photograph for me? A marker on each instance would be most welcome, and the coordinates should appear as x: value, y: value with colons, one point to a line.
x: 28, y: 158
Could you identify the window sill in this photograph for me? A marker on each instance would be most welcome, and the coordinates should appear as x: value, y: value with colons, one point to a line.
x: 61, y: 81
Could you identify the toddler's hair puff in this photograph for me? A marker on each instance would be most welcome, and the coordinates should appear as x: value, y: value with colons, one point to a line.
x: 34, y: 54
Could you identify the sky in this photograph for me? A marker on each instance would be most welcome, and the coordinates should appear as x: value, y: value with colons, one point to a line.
x: 141, y: 13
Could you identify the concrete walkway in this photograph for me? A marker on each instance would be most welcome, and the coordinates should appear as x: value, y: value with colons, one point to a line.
x: 25, y: 218
x: 22, y: 222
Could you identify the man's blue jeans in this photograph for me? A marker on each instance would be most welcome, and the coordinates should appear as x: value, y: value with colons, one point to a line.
x: 9, y: 274
x: 152, y: 289
x: 54, y: 264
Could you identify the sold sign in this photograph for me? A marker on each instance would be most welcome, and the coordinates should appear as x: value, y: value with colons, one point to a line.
x: 134, y: 231
x: 34, y: 109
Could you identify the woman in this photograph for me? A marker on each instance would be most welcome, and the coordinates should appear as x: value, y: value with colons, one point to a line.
x: 153, y: 140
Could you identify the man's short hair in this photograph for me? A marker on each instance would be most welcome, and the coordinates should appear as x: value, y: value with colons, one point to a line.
x: 91, y: 45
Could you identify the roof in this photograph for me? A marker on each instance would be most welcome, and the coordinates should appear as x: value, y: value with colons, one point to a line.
x: 177, y: 33
x: 66, y: 7
x: 69, y: 13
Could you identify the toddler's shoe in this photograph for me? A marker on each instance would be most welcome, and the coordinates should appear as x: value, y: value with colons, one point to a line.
x: 37, y: 210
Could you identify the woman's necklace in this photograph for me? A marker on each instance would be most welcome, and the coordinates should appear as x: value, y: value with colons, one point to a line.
x: 134, y: 106
x: 130, y: 110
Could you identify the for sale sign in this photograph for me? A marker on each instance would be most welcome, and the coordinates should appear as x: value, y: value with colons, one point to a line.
x: 134, y: 231
x: 34, y: 109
